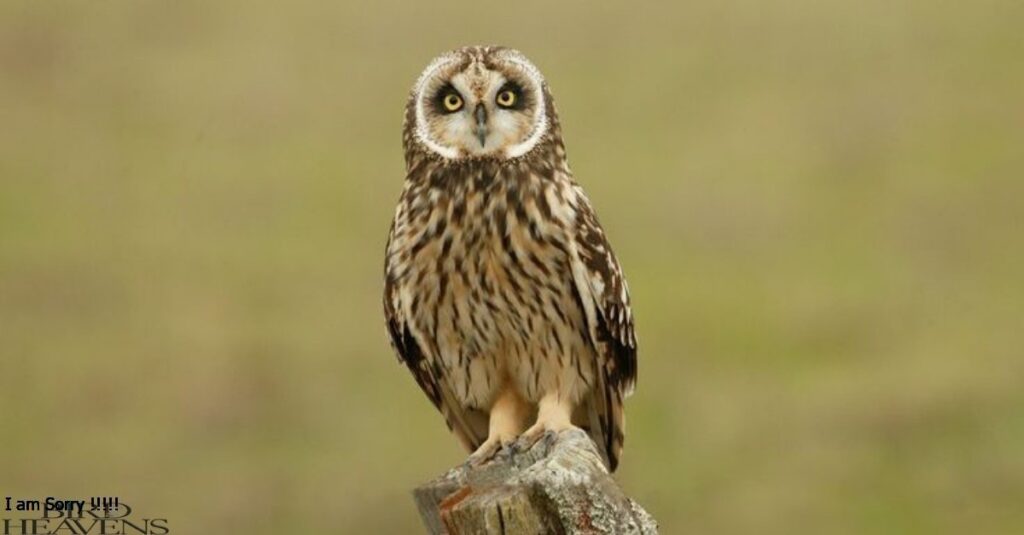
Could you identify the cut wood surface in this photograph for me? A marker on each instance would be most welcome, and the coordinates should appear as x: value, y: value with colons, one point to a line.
x: 559, y: 486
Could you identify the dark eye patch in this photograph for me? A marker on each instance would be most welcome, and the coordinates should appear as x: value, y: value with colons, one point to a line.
x: 438, y: 100
x: 521, y: 99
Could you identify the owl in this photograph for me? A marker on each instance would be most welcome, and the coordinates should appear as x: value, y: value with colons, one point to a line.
x: 502, y: 295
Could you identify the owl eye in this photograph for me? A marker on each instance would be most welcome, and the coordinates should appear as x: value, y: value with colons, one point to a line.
x: 452, y: 102
x: 506, y: 98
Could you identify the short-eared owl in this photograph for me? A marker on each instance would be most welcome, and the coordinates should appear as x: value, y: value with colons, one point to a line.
x: 502, y: 295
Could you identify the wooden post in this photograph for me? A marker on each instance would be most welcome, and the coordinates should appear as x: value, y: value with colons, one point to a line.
x: 558, y: 486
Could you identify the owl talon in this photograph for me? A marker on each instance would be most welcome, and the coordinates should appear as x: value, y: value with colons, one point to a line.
x: 553, y: 417
x: 535, y: 434
x: 487, y: 451
x: 527, y: 440
x: 479, y: 458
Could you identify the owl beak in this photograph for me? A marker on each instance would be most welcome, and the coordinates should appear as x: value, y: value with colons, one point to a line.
x: 481, y: 124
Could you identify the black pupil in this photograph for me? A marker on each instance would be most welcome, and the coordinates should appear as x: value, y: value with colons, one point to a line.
x: 508, y: 95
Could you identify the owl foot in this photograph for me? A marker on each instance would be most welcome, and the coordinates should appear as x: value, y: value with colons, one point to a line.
x: 507, y: 418
x: 553, y: 415
x: 539, y: 431
x: 488, y: 450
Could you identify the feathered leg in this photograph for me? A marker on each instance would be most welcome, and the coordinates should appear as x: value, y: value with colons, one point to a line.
x: 507, y: 419
x: 554, y: 414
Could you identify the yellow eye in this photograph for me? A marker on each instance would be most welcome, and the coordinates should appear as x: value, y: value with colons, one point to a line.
x: 452, y: 102
x: 506, y: 99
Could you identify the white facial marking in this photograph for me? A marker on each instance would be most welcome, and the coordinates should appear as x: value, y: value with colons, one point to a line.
x: 540, y: 119
x: 422, y: 133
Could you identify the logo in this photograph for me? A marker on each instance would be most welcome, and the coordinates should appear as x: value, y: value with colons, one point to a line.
x: 97, y: 516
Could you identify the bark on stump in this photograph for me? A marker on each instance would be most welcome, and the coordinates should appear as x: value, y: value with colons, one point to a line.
x: 558, y: 486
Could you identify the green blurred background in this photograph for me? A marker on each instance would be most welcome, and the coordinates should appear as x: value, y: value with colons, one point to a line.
x: 818, y: 205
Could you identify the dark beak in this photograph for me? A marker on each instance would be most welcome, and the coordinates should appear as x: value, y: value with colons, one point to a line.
x: 481, y: 124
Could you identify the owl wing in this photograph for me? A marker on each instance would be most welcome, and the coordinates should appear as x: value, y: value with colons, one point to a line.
x: 604, y: 298
x: 469, y: 426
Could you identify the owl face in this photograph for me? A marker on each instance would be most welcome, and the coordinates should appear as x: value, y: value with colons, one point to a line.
x: 480, y: 102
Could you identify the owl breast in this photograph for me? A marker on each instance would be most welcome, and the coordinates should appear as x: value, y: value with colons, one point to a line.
x: 482, y: 271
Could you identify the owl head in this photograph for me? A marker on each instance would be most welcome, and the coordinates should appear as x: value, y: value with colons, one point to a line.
x: 478, y: 102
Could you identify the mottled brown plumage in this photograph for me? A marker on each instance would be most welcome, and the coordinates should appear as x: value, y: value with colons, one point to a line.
x: 502, y: 294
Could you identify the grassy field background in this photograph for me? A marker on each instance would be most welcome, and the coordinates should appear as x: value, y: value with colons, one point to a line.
x: 819, y: 207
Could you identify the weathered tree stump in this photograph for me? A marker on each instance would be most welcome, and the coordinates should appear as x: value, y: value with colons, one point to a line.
x: 557, y: 486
